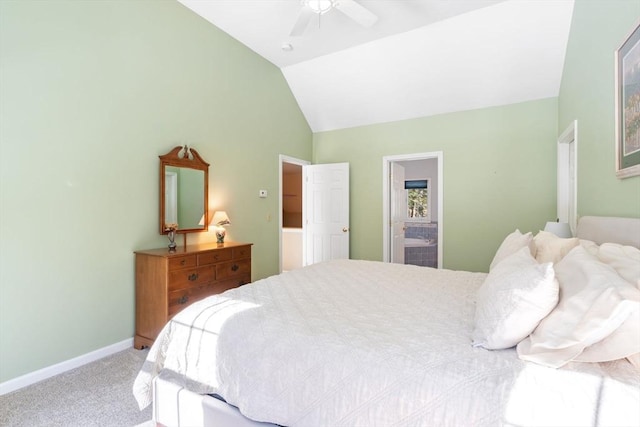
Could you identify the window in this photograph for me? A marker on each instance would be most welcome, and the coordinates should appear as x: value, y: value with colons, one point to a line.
x: 417, y: 195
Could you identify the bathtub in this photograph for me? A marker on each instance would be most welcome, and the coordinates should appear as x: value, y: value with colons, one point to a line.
x: 418, y: 243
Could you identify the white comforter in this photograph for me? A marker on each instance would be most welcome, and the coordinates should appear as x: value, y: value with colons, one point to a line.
x: 362, y: 343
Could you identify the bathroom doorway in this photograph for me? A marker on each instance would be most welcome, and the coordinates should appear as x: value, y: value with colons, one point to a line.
x: 412, y: 213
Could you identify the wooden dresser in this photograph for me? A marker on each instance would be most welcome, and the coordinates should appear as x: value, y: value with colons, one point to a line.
x: 167, y: 282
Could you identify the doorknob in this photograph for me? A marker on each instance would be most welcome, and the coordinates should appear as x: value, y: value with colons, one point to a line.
x: 345, y: 229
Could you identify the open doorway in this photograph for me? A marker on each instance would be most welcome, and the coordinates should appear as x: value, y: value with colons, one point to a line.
x: 412, y: 209
x: 314, y: 212
x: 291, y: 211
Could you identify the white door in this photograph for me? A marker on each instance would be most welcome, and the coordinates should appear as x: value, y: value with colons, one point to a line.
x: 325, y: 197
x: 398, y: 213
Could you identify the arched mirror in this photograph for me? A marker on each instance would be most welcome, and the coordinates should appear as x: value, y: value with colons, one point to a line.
x: 184, y: 189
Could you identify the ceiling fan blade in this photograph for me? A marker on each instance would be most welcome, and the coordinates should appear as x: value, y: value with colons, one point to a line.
x: 303, y: 21
x: 358, y: 13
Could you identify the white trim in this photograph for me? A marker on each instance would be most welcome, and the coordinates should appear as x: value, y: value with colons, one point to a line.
x: 567, y: 203
x: 386, y: 161
x: 59, y: 368
x: 568, y: 135
x: 285, y: 159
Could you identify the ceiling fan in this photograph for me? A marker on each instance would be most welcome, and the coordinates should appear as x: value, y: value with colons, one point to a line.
x: 353, y: 10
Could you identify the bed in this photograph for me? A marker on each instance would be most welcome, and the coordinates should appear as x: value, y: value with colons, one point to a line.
x: 365, y: 343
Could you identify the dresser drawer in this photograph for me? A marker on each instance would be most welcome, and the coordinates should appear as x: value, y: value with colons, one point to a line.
x: 177, y: 263
x: 214, y: 256
x: 233, y: 268
x: 184, y: 297
x: 190, y: 277
x: 242, y: 252
x: 237, y: 281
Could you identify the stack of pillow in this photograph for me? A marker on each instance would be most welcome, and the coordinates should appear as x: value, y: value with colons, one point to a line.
x: 561, y: 300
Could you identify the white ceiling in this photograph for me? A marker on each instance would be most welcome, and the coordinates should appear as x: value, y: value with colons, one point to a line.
x: 422, y: 57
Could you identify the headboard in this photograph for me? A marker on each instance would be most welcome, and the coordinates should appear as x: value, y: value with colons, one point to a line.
x: 602, y: 229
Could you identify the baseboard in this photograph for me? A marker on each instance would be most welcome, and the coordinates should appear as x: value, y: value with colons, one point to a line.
x: 58, y: 368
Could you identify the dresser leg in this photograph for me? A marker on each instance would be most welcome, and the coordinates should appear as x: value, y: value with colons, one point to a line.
x: 140, y: 343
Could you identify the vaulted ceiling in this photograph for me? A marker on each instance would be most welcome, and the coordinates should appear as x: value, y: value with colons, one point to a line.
x: 419, y: 57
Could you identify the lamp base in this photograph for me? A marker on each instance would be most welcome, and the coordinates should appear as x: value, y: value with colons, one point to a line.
x: 220, y: 235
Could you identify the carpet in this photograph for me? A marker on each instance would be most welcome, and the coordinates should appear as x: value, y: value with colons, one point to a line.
x: 96, y: 394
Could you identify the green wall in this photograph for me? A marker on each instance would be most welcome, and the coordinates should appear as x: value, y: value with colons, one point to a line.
x: 499, y: 175
x: 90, y: 94
x: 587, y: 94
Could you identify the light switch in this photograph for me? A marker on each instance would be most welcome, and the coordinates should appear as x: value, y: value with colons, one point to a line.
x: 262, y: 193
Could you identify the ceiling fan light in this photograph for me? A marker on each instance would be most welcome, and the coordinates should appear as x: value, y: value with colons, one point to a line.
x: 320, y: 6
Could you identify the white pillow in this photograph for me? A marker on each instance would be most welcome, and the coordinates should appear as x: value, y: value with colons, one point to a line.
x: 634, y: 359
x: 551, y: 248
x: 594, y: 302
x: 512, y: 244
x: 623, y: 342
x: 513, y: 299
x: 591, y: 246
x: 624, y: 259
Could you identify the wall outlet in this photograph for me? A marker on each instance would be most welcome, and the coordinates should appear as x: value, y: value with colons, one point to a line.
x: 262, y: 193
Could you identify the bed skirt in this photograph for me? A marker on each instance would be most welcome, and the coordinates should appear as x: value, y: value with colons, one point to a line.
x: 173, y: 405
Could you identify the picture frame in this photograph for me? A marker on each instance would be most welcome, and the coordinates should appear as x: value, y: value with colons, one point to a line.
x: 627, y: 99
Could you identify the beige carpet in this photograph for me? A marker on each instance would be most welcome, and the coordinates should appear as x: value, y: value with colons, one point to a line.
x: 97, y: 394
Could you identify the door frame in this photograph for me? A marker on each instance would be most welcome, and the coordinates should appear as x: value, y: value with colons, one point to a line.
x: 386, y: 199
x: 567, y: 177
x: 285, y: 159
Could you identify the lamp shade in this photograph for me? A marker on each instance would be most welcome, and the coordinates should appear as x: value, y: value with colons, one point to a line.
x: 220, y: 218
x: 560, y: 229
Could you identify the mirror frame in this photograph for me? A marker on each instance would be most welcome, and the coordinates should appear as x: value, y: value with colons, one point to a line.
x: 184, y: 157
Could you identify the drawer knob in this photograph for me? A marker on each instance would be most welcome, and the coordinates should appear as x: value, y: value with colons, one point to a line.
x: 182, y: 262
x: 234, y: 267
x: 193, y: 277
x: 183, y: 299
